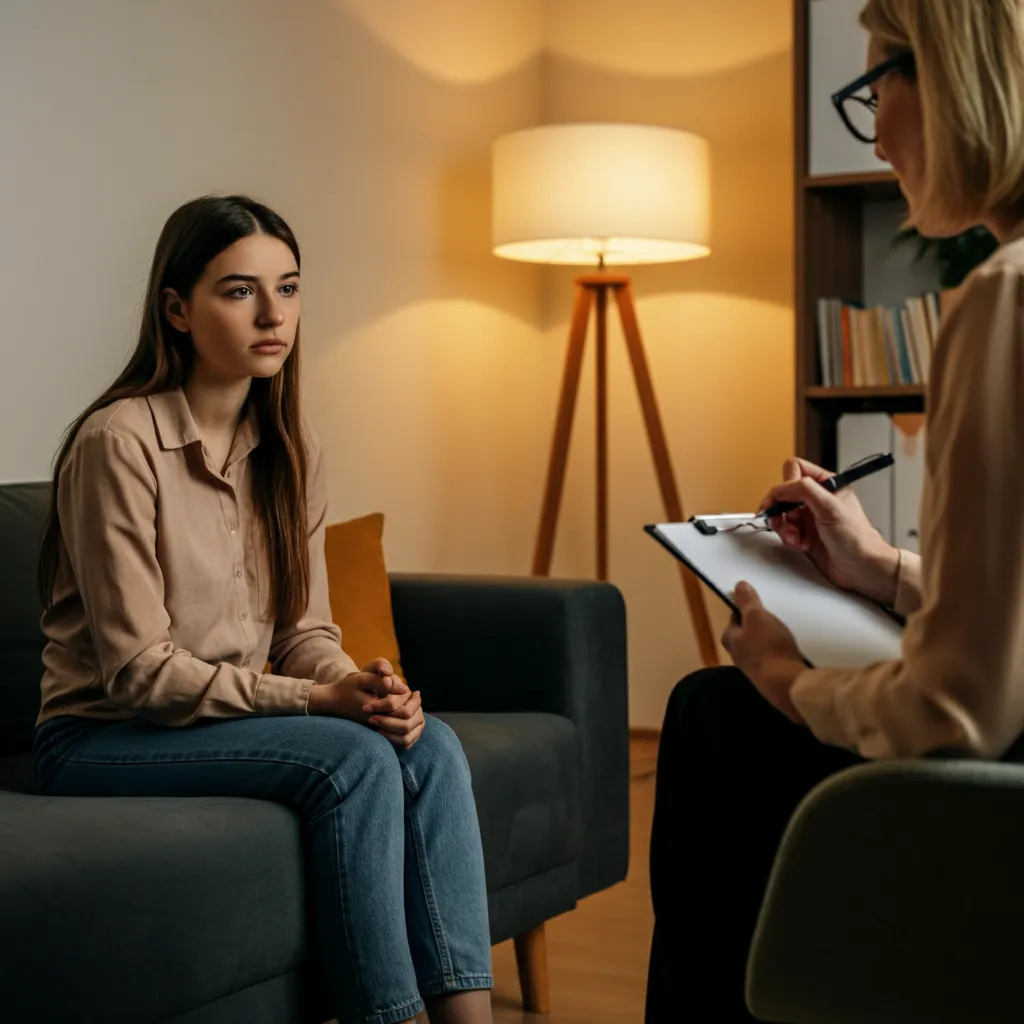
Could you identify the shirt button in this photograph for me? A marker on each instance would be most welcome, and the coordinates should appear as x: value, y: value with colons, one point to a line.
x: 227, y: 472
x: 245, y: 662
x: 238, y: 574
x: 231, y: 527
x: 245, y: 615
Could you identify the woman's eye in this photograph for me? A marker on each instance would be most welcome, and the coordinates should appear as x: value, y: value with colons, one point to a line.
x: 240, y: 292
x: 289, y: 289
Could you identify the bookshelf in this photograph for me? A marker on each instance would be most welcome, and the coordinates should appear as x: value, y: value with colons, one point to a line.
x: 830, y: 241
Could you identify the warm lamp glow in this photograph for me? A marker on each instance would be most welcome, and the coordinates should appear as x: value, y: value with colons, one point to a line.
x: 577, y: 193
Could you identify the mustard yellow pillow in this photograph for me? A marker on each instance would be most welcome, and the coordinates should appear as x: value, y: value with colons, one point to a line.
x: 359, y: 591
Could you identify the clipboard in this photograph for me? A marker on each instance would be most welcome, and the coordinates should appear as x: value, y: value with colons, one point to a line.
x: 832, y: 626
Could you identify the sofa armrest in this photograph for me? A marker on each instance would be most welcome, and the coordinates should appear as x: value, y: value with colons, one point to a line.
x: 896, y: 898
x: 500, y: 644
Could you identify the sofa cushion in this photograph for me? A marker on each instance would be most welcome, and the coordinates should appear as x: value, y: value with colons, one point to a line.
x: 360, y: 592
x: 144, y: 908
x: 526, y: 782
x: 22, y: 511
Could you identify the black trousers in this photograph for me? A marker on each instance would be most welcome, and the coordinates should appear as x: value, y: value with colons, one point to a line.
x: 731, y: 772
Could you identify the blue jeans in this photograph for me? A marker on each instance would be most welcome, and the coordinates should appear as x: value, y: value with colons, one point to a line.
x: 371, y: 815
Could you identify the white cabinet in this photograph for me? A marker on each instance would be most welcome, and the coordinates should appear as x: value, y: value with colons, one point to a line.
x: 858, y: 435
x: 908, y: 479
x: 892, y: 498
x: 837, y: 54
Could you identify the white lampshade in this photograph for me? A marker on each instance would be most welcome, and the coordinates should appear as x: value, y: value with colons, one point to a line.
x: 574, y: 193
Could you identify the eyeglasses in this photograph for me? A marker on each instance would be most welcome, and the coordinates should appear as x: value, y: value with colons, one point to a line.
x: 856, y: 102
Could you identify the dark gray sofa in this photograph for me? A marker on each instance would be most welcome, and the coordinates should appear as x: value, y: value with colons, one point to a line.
x: 193, y: 910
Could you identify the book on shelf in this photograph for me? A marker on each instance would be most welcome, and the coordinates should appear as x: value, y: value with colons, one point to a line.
x: 876, y: 346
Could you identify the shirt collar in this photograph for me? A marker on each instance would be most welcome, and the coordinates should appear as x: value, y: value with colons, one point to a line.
x: 248, y: 436
x: 175, y: 427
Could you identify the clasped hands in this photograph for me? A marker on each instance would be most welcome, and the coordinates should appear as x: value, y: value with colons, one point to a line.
x: 834, y: 531
x: 376, y: 697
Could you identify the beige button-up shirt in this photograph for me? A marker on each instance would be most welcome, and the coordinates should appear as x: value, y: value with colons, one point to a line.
x: 960, y: 680
x: 161, y: 606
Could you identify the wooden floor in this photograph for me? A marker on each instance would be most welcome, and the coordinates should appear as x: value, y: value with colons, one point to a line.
x: 597, y: 954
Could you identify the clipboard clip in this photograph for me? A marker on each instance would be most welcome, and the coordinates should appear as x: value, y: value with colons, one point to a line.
x: 706, y: 524
x: 703, y: 526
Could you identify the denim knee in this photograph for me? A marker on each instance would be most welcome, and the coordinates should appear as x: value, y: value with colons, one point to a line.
x: 363, y: 757
x: 437, y: 748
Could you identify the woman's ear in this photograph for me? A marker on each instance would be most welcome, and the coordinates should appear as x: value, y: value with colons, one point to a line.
x: 174, y: 310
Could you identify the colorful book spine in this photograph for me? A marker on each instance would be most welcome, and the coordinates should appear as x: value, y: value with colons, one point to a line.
x: 877, y: 347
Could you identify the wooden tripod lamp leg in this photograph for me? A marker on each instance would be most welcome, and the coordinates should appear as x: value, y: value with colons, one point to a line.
x: 601, y: 431
x: 663, y: 467
x: 563, y: 430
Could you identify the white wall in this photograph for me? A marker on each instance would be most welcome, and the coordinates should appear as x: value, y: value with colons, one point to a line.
x: 432, y: 368
x: 421, y: 349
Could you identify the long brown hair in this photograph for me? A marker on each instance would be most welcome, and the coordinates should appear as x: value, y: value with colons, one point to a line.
x: 193, y: 235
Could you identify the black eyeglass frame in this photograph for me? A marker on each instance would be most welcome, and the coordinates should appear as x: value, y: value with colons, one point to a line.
x: 903, y: 62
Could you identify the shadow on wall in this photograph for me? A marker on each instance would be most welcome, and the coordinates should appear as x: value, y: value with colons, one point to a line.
x: 429, y: 304
x: 406, y: 154
x: 441, y: 102
x: 460, y: 41
x: 668, y: 38
x: 718, y: 331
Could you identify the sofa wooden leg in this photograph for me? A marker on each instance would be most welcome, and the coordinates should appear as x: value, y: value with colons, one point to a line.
x: 532, y: 960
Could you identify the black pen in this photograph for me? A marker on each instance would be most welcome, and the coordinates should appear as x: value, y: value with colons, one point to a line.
x: 859, y: 470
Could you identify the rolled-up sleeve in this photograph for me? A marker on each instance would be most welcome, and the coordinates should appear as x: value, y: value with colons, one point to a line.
x: 311, y: 647
x: 106, y: 500
x: 960, y: 682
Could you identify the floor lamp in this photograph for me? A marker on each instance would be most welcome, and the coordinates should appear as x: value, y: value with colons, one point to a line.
x: 604, y: 195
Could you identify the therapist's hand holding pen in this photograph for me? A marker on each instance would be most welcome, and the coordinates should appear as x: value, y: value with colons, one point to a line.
x: 825, y: 519
x: 834, y: 530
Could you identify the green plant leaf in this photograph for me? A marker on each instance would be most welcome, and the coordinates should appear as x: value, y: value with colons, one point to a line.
x: 957, y: 256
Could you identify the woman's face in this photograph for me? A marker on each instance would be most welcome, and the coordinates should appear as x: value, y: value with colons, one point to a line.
x: 900, y: 127
x: 243, y: 312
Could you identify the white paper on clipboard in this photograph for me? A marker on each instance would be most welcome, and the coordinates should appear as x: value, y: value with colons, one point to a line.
x: 832, y: 627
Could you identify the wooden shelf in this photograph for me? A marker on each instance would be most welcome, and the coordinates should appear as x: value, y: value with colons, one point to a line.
x: 870, y: 184
x: 856, y: 179
x: 818, y: 393
x: 831, y: 213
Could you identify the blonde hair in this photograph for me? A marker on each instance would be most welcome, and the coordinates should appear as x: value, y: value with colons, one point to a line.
x: 970, y: 72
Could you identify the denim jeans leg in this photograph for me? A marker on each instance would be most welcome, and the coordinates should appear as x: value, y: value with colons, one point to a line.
x: 343, y: 779
x: 445, y: 890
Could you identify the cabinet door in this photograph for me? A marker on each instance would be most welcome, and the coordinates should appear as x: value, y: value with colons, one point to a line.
x: 908, y: 479
x: 858, y: 435
x: 837, y: 55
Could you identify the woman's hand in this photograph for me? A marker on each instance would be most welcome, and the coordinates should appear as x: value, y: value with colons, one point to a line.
x: 397, y: 716
x: 765, y: 650
x: 376, y: 697
x: 835, y: 532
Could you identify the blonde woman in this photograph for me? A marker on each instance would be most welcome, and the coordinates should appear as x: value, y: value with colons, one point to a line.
x: 741, y: 746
